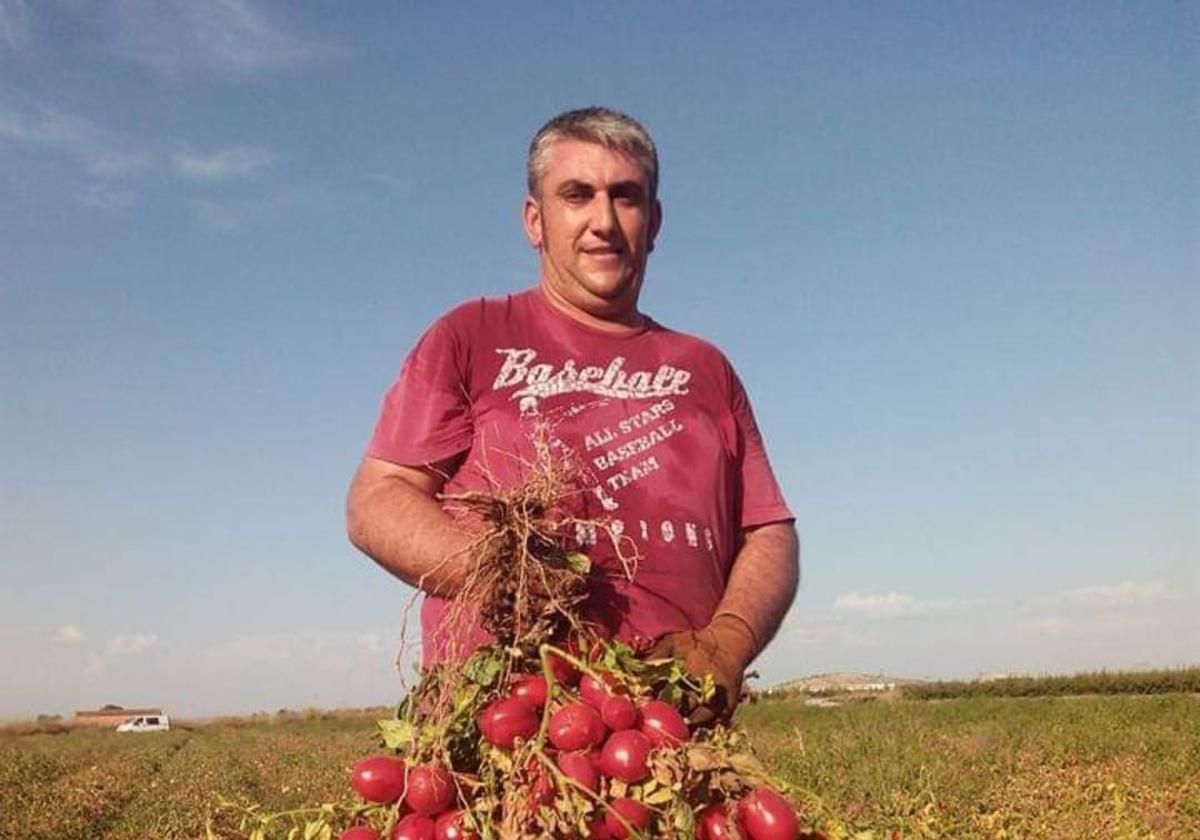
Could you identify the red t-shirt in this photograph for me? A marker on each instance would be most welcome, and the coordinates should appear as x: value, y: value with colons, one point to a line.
x: 656, y: 420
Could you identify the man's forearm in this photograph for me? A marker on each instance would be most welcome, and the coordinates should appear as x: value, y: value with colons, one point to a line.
x: 763, y: 580
x: 404, y: 529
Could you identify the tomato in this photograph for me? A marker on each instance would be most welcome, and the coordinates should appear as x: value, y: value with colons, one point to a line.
x: 588, y: 645
x: 598, y: 830
x: 506, y: 720
x: 662, y: 723
x: 594, y: 690
x: 413, y: 827
x: 451, y: 826
x: 625, y: 756
x: 579, y: 767
x: 576, y: 726
x: 379, y: 778
x: 618, y: 713
x: 359, y: 832
x: 541, y: 790
x: 713, y: 823
x: 529, y: 688
x: 765, y: 815
x: 634, y: 812
x: 430, y: 789
x: 563, y: 671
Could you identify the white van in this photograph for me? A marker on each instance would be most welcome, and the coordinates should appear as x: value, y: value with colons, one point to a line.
x: 146, y: 723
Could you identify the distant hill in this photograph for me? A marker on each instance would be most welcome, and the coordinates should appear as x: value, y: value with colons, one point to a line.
x: 841, y: 682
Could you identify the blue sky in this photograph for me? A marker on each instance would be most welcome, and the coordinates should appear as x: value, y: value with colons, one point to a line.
x: 951, y: 248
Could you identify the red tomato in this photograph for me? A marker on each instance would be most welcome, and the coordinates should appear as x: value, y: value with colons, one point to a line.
x: 635, y: 813
x: 625, y: 755
x: 452, y: 826
x: 564, y: 672
x: 430, y: 789
x: 413, y: 827
x: 579, y: 766
x: 529, y: 688
x: 618, y: 713
x: 539, y: 784
x: 379, y: 778
x: 765, y: 815
x: 713, y: 823
x: 594, y: 691
x: 662, y: 723
x: 506, y: 720
x: 588, y: 645
x: 359, y: 832
x: 598, y: 830
x: 576, y: 726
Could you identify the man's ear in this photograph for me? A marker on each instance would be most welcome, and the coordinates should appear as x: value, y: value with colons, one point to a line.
x: 655, y: 224
x: 531, y: 215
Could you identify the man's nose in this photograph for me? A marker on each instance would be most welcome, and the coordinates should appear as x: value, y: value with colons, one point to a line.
x: 604, y: 215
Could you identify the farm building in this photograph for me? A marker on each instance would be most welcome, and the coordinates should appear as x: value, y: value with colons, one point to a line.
x: 109, y: 716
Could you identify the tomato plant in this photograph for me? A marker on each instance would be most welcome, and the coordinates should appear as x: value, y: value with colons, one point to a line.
x: 529, y: 688
x: 634, y: 812
x: 576, y: 726
x: 430, y: 789
x: 413, y: 827
x: 765, y: 815
x: 618, y: 712
x: 662, y: 723
x: 625, y: 756
x: 506, y: 720
x: 359, y: 832
x: 581, y: 768
x: 451, y: 826
x: 379, y: 778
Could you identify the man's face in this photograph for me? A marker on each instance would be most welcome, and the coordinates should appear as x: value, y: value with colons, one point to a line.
x: 594, y: 223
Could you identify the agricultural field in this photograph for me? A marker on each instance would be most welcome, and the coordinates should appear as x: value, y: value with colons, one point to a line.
x: 977, y: 767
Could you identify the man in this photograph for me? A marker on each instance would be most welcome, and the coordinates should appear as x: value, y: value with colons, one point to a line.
x: 657, y: 420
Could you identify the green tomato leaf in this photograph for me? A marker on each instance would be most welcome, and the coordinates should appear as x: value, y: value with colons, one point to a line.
x: 396, y: 734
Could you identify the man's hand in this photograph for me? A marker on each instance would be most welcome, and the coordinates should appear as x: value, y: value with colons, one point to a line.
x: 724, y: 649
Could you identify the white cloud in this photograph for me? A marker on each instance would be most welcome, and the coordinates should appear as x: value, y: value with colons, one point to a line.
x: 226, y: 37
x: 93, y: 148
x: 1127, y: 593
x: 228, y: 215
x: 129, y: 644
x: 234, y: 162
x: 224, y: 216
x: 371, y: 642
x: 68, y: 634
x: 1047, y: 625
x: 104, y: 196
x: 885, y: 605
x: 14, y: 25
x: 95, y: 665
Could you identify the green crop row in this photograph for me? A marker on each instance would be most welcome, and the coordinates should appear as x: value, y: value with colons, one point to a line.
x: 1167, y: 681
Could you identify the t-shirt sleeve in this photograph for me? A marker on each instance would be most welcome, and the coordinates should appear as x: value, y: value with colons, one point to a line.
x: 426, y: 413
x: 761, y: 499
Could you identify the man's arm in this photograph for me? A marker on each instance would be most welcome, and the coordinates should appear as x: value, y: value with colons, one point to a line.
x: 762, y: 583
x: 761, y: 586
x: 392, y: 516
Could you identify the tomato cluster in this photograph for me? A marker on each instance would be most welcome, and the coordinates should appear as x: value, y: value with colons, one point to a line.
x: 577, y: 739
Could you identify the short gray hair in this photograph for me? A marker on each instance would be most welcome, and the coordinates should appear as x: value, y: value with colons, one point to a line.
x: 609, y: 128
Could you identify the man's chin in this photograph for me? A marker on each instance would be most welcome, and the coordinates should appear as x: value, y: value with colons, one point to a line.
x: 617, y: 289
